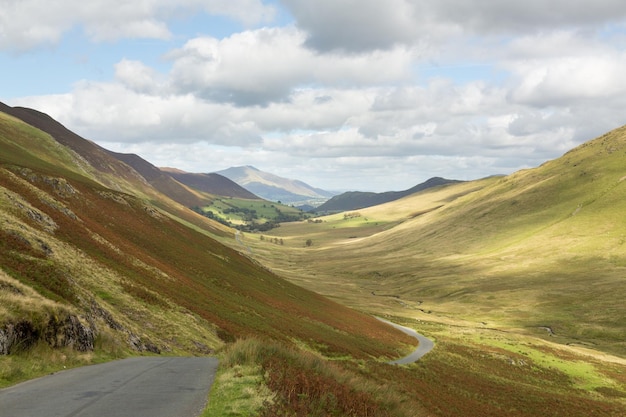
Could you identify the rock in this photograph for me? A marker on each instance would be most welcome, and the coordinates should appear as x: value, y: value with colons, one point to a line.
x: 137, y: 344
x: 17, y: 336
x: 70, y: 332
x: 202, y: 348
x: 98, y: 311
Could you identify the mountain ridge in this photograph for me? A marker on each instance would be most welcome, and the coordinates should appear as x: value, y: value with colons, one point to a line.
x: 354, y: 200
x: 273, y: 187
x: 210, y: 183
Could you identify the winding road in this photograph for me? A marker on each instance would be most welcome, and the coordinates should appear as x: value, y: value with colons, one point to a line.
x: 137, y: 387
x: 425, y: 344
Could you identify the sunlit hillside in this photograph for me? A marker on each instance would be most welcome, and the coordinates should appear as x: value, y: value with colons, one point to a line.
x: 124, y: 272
x: 96, y: 265
x: 531, y: 264
x: 542, y: 248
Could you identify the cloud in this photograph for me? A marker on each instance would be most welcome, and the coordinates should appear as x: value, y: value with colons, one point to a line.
x: 358, y: 92
x: 137, y: 76
x: 112, y: 112
x: 355, y: 25
x: 267, y: 65
x: 570, y: 80
x: 515, y: 17
x: 27, y: 24
x: 358, y: 26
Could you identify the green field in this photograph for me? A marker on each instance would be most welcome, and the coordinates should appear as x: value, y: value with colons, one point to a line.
x: 243, y: 214
x: 525, y: 272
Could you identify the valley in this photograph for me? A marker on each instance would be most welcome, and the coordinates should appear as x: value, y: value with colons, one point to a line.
x: 525, y: 269
x: 518, y: 280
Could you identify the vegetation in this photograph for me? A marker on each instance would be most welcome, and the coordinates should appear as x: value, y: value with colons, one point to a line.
x: 144, y: 274
x: 294, y: 382
x: 250, y: 215
x: 522, y: 273
x: 519, y: 280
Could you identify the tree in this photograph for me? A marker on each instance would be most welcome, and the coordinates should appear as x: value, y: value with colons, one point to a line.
x: 308, y: 242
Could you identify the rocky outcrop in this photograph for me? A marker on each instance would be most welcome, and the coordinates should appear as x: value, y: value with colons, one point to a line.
x: 134, y: 341
x: 69, y: 331
x: 139, y: 345
x: 17, y: 336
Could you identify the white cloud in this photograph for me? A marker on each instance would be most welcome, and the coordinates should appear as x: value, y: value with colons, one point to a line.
x: 363, y: 25
x: 137, y: 76
x: 27, y: 24
x: 111, y: 112
x: 569, y: 80
x: 266, y: 65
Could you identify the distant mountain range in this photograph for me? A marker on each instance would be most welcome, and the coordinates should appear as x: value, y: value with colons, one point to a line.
x: 274, y: 188
x: 199, y: 189
x: 354, y: 200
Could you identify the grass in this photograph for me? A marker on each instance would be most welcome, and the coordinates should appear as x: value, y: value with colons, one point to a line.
x: 485, y: 267
x: 238, y: 391
x: 481, y: 267
x: 268, y: 379
x: 239, y: 388
x: 473, y: 371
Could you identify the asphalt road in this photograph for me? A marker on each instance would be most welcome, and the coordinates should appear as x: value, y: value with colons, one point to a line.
x: 137, y: 387
x: 425, y: 344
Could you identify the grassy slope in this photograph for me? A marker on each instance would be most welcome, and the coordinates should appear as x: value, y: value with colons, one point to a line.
x: 486, y: 267
x: 552, y: 237
x: 160, y: 278
x: 77, y: 242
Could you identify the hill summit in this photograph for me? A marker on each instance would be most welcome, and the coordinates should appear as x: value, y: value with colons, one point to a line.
x: 273, y: 187
x: 354, y: 200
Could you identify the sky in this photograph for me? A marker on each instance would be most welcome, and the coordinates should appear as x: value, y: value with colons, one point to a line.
x: 368, y: 95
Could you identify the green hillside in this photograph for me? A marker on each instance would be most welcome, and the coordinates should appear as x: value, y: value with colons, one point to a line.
x: 531, y: 264
x: 249, y: 215
x: 95, y: 265
x: 90, y: 273
x: 540, y: 248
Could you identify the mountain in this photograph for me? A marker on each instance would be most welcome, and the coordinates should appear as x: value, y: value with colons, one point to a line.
x: 519, y: 278
x: 353, y: 200
x: 96, y: 264
x: 540, y: 248
x: 274, y: 188
x: 210, y: 183
x: 92, y: 256
x: 125, y: 172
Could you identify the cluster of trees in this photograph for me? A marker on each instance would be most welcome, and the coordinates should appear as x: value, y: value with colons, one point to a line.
x: 273, y: 240
x: 209, y: 214
x: 248, y: 215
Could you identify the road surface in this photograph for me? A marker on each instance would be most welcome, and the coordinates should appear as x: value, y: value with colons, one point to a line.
x: 425, y: 344
x: 137, y: 387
